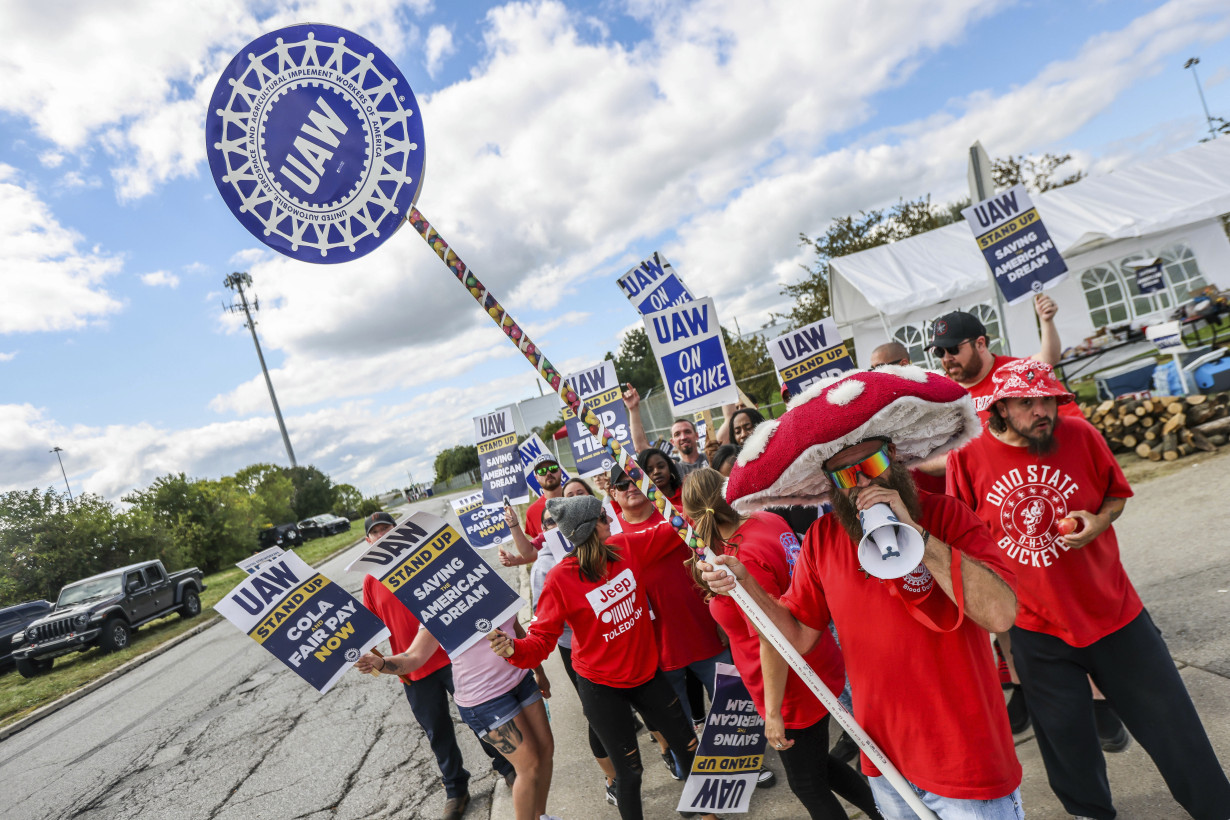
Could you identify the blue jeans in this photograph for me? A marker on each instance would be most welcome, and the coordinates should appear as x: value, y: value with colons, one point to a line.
x: 893, y: 807
x: 705, y: 669
x: 490, y: 715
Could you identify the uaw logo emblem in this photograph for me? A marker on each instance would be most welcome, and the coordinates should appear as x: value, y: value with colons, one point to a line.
x: 315, y: 142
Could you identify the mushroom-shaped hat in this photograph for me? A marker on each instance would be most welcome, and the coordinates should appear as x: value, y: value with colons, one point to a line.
x: 781, y: 463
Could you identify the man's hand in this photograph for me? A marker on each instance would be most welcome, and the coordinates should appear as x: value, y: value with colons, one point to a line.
x: 1045, y: 307
x: 501, y: 644
x: 369, y: 663
x: 508, y: 559
x: 632, y: 399
x: 721, y: 581
x: 875, y: 494
x: 1092, y: 525
x: 510, y: 518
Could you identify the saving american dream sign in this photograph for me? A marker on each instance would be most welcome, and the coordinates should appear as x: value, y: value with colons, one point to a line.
x: 303, y: 619
x: 454, y: 593
x: 498, y: 458
x: 315, y: 142
x: 810, y: 353
x: 1015, y: 243
x: 653, y: 285
x: 731, y: 750
x: 687, y: 342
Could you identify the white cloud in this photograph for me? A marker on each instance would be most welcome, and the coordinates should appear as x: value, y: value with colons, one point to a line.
x: 51, y: 159
x: 160, y: 278
x: 439, y: 45
x: 49, y: 282
x: 8, y: 357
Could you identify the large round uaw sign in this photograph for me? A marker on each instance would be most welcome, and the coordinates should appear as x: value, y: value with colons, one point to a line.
x: 316, y: 143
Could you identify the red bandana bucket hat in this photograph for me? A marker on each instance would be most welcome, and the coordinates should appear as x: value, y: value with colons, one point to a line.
x: 781, y: 463
x: 1027, y: 379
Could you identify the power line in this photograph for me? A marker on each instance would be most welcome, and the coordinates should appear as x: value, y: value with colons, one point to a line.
x: 236, y: 282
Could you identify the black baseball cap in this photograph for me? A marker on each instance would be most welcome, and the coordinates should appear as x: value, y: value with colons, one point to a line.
x: 953, y: 328
x: 377, y: 518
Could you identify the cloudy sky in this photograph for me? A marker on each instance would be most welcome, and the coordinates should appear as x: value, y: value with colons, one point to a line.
x: 564, y: 142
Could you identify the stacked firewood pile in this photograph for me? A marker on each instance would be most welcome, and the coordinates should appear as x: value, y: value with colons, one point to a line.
x: 1163, y: 427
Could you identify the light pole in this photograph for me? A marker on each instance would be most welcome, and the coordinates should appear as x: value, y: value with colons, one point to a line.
x: 1191, y: 63
x: 57, y: 450
x: 235, y: 282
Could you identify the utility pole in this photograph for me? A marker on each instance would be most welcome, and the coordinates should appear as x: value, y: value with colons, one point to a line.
x: 1191, y: 63
x: 57, y: 451
x: 980, y: 187
x: 236, y: 282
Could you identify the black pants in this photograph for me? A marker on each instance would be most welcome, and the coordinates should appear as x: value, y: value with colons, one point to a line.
x: 814, y: 776
x: 1133, y: 668
x: 429, y: 703
x: 595, y: 745
x: 609, y: 711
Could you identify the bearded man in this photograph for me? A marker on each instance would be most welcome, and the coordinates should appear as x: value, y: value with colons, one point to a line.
x: 1030, y: 478
x: 915, y: 647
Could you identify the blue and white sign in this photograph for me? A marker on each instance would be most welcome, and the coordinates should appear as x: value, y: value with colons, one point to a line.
x: 454, y: 593
x: 1149, y: 278
x: 315, y: 141
x: 653, y: 285
x: 499, y: 460
x: 687, y: 342
x: 599, y: 388
x: 484, y: 526
x: 808, y: 354
x: 533, y: 452
x: 1016, y: 245
x: 730, y: 753
x: 303, y: 619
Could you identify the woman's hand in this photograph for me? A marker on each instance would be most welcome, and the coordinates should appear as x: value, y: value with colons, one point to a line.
x: 501, y: 644
x: 775, y: 733
x: 721, y: 574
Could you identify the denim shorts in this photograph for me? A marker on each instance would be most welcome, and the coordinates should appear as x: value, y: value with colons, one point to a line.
x: 492, y: 714
x: 893, y: 807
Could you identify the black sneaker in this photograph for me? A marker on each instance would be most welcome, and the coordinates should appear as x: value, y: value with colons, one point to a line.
x: 1018, y: 712
x: 845, y: 749
x: 766, y: 779
x: 671, y: 766
x: 610, y: 794
x: 1111, y: 731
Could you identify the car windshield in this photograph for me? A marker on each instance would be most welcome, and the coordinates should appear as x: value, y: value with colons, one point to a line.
x: 86, y: 590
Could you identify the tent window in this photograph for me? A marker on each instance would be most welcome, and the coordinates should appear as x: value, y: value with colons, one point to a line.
x: 989, y: 317
x: 1105, y: 295
x: 1181, y: 271
x: 914, y: 340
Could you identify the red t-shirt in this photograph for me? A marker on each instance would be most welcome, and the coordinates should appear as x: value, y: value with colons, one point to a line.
x: 533, y: 517
x: 929, y: 698
x: 762, y: 543
x: 1079, y: 595
x: 402, y: 624
x: 982, y: 392
x: 612, y: 641
x: 684, y: 629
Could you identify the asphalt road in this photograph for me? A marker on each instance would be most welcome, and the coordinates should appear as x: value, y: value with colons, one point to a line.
x: 217, y: 728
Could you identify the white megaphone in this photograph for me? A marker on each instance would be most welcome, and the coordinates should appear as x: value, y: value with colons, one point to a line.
x: 889, y: 549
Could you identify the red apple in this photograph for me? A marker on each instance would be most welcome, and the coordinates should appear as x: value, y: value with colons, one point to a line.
x: 1067, y: 526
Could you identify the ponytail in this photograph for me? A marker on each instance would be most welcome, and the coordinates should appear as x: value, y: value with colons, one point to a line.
x: 704, y: 504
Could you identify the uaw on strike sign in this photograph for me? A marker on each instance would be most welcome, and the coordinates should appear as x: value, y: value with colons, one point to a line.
x: 315, y: 142
x: 305, y: 620
x: 687, y: 342
x: 454, y: 593
x: 1015, y: 244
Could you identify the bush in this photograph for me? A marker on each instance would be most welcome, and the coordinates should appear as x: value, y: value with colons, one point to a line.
x: 369, y: 506
x: 213, y: 522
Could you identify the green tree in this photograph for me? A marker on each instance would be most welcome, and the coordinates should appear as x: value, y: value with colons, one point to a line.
x: 456, y: 461
x: 752, y: 366
x: 1038, y: 175
x: 550, y: 428
x: 314, y: 493
x: 369, y: 505
x: 271, y: 489
x: 213, y: 523
x: 635, y: 361
x: 348, y: 501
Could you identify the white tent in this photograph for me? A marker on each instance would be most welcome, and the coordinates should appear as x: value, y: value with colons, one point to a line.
x: 1168, y: 207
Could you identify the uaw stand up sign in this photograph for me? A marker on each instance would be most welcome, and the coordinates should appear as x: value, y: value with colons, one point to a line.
x: 314, y: 140
x: 316, y: 144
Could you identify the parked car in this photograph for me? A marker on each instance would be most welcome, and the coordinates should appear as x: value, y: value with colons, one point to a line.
x: 102, y: 610
x: 14, y: 619
x: 286, y: 536
x: 321, y: 525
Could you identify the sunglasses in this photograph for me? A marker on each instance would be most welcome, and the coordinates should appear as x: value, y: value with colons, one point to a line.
x: 631, y: 477
x: 873, y: 466
x: 950, y: 350
x: 546, y: 468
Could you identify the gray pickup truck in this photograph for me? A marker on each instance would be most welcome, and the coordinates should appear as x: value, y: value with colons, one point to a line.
x: 103, y: 610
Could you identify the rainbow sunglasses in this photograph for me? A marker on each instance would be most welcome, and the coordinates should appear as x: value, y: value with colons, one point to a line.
x: 873, y: 466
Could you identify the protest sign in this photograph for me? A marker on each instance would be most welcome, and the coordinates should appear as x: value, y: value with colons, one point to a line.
x: 454, y: 593
x: 259, y: 560
x: 653, y: 285
x: 498, y: 459
x: 1149, y: 277
x: 1015, y: 243
x: 687, y: 342
x: 810, y: 353
x: 730, y: 753
x: 484, y: 526
x: 303, y: 619
x: 534, y: 451
x: 599, y: 388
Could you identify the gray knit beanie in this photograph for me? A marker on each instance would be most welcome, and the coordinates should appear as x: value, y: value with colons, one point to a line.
x: 576, y: 517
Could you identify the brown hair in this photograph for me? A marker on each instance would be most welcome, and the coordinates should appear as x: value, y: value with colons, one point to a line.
x: 592, y: 556
x: 704, y: 504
